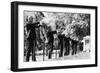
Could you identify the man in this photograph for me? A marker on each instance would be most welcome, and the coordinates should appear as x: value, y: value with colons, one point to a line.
x: 31, y: 29
x: 67, y: 45
x: 50, y: 35
x: 74, y: 46
x: 61, y: 41
x: 32, y: 40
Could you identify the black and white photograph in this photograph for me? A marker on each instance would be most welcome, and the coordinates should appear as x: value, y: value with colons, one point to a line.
x: 53, y: 36
x: 50, y: 36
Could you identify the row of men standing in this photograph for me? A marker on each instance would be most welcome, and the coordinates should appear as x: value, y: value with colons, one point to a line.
x: 64, y: 42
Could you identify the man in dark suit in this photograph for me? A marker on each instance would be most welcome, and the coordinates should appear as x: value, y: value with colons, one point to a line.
x: 67, y: 45
x: 51, y: 41
x: 32, y: 40
x: 61, y: 42
x: 31, y: 29
x: 74, y: 46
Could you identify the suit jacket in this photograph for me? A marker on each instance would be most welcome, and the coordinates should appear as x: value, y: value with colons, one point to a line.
x: 31, y: 27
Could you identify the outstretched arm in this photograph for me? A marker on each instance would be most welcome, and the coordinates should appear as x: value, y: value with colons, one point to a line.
x: 36, y: 25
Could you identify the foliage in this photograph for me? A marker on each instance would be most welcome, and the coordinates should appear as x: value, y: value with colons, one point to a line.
x: 75, y: 25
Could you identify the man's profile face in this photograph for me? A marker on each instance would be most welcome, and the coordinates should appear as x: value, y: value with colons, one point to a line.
x: 34, y: 20
x: 30, y: 19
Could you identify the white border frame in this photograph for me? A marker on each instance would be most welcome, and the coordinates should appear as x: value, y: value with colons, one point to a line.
x: 22, y: 64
